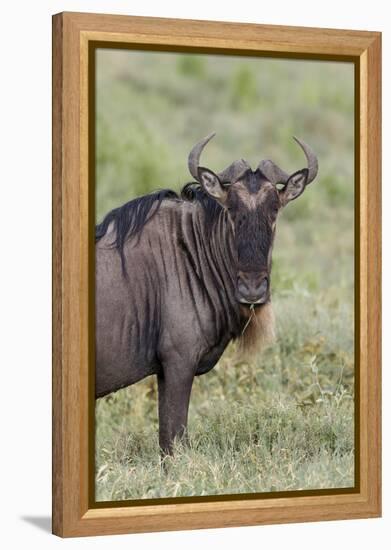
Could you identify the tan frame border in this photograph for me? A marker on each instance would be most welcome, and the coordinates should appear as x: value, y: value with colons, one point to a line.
x: 73, y: 34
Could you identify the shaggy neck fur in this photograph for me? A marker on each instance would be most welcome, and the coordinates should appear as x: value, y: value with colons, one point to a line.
x: 258, y: 332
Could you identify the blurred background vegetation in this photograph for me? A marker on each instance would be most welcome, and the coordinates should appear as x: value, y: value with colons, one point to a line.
x: 286, y: 420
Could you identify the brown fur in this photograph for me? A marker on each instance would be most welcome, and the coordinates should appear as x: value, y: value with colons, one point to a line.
x: 253, y: 200
x: 258, y: 334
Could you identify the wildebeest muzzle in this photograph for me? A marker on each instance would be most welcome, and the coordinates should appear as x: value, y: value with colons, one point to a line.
x: 252, y: 287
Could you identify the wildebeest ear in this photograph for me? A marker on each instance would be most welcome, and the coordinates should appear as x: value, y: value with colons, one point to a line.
x: 211, y: 184
x: 294, y: 186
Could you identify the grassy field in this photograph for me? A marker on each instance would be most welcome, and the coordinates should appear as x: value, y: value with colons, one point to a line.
x: 285, y: 421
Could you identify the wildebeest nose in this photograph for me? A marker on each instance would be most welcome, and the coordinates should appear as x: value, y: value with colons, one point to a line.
x: 252, y: 288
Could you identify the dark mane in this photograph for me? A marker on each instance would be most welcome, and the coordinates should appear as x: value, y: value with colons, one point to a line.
x: 193, y: 192
x: 130, y: 218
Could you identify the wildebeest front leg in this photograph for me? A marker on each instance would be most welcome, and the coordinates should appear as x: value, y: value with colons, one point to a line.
x: 174, y: 395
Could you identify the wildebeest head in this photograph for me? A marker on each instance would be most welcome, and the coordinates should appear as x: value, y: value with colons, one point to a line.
x: 252, y: 200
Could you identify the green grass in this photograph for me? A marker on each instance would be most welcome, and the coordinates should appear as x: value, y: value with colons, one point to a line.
x: 236, y: 448
x: 285, y: 421
x: 271, y: 426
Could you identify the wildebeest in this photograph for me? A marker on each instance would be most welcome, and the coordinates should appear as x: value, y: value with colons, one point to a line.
x: 178, y: 276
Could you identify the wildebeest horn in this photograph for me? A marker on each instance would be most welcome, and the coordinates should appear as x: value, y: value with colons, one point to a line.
x: 234, y: 171
x: 195, y: 153
x: 230, y: 174
x: 274, y: 173
x: 312, y: 160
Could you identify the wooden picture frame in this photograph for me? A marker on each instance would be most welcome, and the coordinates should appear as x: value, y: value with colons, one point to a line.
x: 75, y: 35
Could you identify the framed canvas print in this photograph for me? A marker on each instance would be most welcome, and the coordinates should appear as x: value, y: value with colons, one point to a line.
x: 216, y: 274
